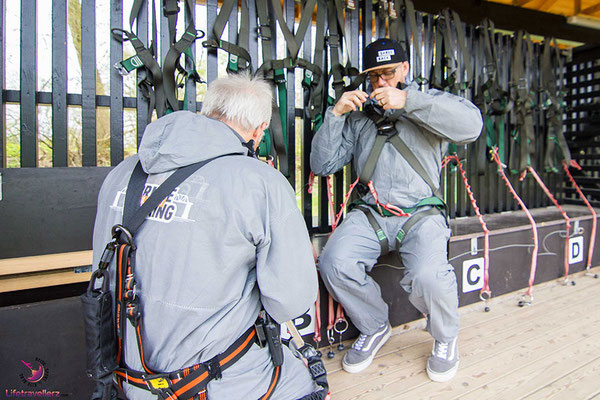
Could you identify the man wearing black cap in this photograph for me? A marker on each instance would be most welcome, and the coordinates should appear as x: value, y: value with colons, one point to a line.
x: 394, y: 185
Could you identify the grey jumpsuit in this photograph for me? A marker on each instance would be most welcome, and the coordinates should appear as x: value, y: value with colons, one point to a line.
x: 227, y: 242
x: 429, y: 121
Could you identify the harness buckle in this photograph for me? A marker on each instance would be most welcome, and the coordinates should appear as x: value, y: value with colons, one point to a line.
x: 264, y: 32
x: 213, y: 367
x: 522, y: 84
x: 159, y: 385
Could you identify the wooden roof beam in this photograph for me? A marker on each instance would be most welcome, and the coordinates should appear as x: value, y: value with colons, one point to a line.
x: 520, y: 3
x: 591, y: 10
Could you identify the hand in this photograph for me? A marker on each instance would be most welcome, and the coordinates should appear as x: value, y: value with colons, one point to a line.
x: 390, y: 98
x: 349, y: 101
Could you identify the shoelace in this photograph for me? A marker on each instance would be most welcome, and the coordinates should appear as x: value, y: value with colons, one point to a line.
x: 441, y: 350
x: 360, y: 342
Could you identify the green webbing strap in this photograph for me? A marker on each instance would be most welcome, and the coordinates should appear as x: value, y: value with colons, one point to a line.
x: 381, y: 236
x: 369, y: 168
x: 414, y: 162
x: 293, y: 41
x: 433, y: 201
x: 412, y: 221
x: 155, y: 95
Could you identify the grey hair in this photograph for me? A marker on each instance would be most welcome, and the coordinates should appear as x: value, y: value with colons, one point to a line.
x: 239, y: 98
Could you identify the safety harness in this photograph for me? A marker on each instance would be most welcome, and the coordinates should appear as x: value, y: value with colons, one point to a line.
x: 275, y: 70
x: 522, y: 93
x: 557, y: 149
x: 159, y: 84
x: 493, y: 101
x: 387, y: 133
x: 106, y: 356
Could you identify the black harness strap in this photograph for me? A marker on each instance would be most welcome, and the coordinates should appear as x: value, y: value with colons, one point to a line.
x: 236, y: 51
x: 524, y: 135
x: 557, y: 148
x: 381, y: 236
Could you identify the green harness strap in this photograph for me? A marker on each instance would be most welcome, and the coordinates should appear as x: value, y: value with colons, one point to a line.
x: 412, y: 221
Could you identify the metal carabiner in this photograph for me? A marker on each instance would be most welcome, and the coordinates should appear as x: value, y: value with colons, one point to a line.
x: 116, y: 234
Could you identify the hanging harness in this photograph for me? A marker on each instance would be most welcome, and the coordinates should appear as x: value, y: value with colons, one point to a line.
x: 159, y: 84
x: 493, y: 101
x: 387, y: 133
x: 106, y: 342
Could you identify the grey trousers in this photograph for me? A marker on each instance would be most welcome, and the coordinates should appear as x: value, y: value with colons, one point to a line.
x: 352, y: 251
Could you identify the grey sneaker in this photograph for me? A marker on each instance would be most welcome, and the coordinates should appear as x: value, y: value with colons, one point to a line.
x: 363, y: 350
x: 443, y: 361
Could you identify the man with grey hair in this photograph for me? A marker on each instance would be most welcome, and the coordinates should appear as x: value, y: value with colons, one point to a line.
x: 227, y: 243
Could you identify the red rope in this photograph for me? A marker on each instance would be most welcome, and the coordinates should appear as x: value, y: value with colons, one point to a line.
x: 531, y: 220
x: 564, y: 214
x: 589, y: 206
x: 389, y: 207
x: 486, y: 232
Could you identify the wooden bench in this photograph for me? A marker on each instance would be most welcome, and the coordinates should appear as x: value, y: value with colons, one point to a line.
x: 45, y: 270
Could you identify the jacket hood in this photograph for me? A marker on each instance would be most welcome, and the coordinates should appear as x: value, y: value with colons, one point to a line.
x: 183, y: 138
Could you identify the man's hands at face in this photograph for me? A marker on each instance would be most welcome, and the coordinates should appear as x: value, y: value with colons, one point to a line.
x: 390, y: 98
x: 349, y: 101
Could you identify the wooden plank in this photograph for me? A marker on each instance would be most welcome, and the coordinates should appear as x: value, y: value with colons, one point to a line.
x: 581, y: 383
x: 47, y: 262
x: 211, y: 62
x: 530, y: 376
x: 33, y: 281
x: 291, y: 98
x: 59, y: 83
x: 29, y: 146
x: 88, y: 82
x: 116, y: 86
x: 307, y: 135
x: 2, y: 132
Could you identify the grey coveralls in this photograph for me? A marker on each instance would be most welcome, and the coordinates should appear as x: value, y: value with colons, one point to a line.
x: 229, y: 241
x: 430, y: 120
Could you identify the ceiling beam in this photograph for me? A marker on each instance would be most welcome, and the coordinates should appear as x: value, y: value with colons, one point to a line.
x: 520, y: 3
x: 512, y: 18
x: 591, y: 10
x: 546, y: 5
x: 576, y: 7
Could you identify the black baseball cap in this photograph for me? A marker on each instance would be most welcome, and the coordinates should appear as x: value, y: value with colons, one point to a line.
x: 383, y: 53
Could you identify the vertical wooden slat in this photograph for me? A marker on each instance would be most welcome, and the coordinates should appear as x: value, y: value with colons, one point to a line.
x: 140, y: 74
x: 253, y: 37
x: 116, y: 87
x: 59, y: 83
x: 88, y: 82
x: 211, y: 62
x: 190, y: 86
x: 29, y: 150
x: 2, y: 132
x: 291, y: 98
x: 367, y: 18
x: 307, y: 135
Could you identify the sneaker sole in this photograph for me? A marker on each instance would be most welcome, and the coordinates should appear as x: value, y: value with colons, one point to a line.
x: 361, y: 366
x: 442, y: 376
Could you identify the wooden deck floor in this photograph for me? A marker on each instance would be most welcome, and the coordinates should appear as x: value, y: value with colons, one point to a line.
x: 550, y: 349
